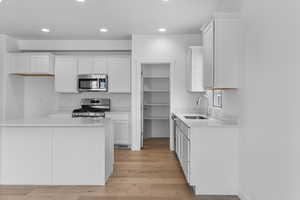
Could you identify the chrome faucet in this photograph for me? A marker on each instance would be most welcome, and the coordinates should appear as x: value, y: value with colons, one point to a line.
x: 204, y: 109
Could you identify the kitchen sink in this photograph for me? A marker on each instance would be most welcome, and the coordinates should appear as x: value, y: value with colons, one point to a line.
x: 195, y: 117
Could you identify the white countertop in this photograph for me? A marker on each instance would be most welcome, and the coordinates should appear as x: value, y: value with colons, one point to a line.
x: 210, y: 122
x: 53, y: 122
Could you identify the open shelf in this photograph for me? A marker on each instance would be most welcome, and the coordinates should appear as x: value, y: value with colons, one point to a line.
x: 33, y: 75
x: 156, y: 104
x: 156, y: 86
x: 156, y: 118
x: 156, y: 77
x: 156, y: 70
x: 157, y: 91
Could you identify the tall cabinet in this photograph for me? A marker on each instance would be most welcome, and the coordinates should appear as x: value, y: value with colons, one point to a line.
x: 156, y: 100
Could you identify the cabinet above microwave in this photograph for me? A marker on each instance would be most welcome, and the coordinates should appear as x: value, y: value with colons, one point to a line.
x: 69, y: 68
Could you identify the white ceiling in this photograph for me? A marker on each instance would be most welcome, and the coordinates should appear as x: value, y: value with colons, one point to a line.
x: 69, y: 19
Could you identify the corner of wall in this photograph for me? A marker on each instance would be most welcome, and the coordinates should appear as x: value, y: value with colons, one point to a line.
x: 243, y: 196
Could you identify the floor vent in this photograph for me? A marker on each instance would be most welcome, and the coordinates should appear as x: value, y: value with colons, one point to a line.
x: 122, y: 147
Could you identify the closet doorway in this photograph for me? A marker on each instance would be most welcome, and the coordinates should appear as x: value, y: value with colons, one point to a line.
x: 156, y: 100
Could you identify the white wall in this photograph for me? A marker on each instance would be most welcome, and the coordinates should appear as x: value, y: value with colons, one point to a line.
x: 39, y: 96
x: 173, y: 48
x: 13, y: 87
x: 269, y: 142
x: 161, y: 47
x: 228, y: 6
x: 6, y: 44
x: 2, y: 54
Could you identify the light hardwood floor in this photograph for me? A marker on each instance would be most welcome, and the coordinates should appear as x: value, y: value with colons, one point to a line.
x: 151, y: 174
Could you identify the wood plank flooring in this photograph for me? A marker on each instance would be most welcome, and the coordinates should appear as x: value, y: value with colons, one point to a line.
x: 151, y: 174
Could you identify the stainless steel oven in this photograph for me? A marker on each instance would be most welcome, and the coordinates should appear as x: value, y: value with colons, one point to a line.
x: 93, y: 83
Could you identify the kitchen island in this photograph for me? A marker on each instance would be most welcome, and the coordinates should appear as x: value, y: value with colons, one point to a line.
x: 56, y: 151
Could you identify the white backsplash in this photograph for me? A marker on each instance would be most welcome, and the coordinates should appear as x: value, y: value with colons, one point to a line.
x: 119, y: 102
x: 41, y: 99
x: 230, y: 108
x: 229, y: 111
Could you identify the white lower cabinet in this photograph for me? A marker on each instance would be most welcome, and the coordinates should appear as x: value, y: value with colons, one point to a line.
x: 120, y: 127
x: 185, y: 142
x: 56, y: 155
x: 183, y: 149
x: 208, y: 157
x: 121, y: 132
x: 73, y: 144
x: 26, y: 156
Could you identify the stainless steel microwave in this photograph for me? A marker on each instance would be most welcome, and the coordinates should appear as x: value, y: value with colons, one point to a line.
x: 93, y: 83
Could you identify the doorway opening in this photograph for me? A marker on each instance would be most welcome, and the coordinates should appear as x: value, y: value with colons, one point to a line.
x: 155, y: 101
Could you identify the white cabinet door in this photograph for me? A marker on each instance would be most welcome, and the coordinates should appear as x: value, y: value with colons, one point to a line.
x: 78, y: 155
x: 26, y: 156
x: 208, y: 51
x: 85, y: 65
x: 121, y: 132
x: 186, y: 157
x: 66, y: 74
x: 227, y: 53
x: 29, y: 63
x: 119, y: 74
x: 195, y: 69
x: 221, y: 43
x: 109, y: 149
x: 19, y: 64
x: 41, y: 64
x: 100, y: 65
x: 178, y: 142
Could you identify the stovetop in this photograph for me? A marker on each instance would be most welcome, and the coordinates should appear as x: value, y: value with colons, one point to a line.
x: 92, y: 108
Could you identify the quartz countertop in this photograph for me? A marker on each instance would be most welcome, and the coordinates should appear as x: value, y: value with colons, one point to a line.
x: 53, y: 122
x: 210, y: 122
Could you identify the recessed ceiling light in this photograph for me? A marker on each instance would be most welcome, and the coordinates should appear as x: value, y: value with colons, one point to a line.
x: 80, y: 1
x: 103, y: 30
x: 45, y: 30
x: 162, y: 30
x: 164, y: 0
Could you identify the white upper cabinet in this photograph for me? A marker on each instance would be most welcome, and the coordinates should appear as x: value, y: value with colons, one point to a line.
x: 31, y: 63
x: 92, y: 65
x: 66, y: 71
x: 100, y: 65
x: 208, y: 55
x: 85, y: 65
x: 119, y: 74
x: 221, y: 43
x: 195, y: 69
